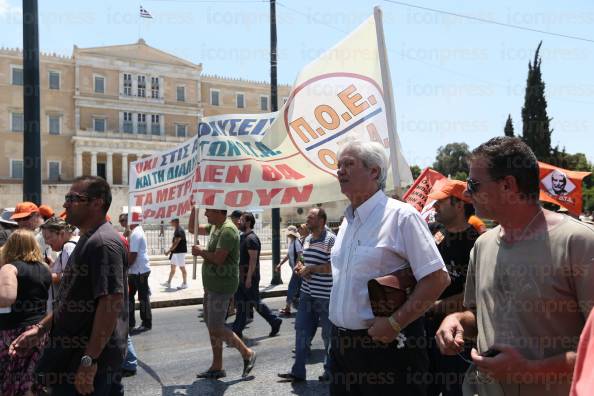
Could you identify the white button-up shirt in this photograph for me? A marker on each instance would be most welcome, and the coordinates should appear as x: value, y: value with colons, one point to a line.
x: 381, y: 236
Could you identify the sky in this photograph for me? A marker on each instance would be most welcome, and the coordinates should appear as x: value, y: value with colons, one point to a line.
x: 454, y: 79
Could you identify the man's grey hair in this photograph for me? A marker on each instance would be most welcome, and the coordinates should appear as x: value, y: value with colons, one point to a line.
x: 371, y: 154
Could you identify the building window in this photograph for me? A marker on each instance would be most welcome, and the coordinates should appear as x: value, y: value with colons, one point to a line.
x: 54, y: 80
x: 141, y: 125
x: 155, y: 87
x: 214, y: 97
x: 128, y: 125
x: 181, y: 130
x: 240, y: 100
x: 99, y: 124
x: 155, y: 124
x: 16, y: 169
x: 141, y: 86
x: 181, y: 94
x: 99, y: 84
x: 16, y: 75
x: 54, y: 125
x: 127, y: 84
x: 101, y: 170
x: 17, y: 122
x: 53, y: 170
x: 264, y: 103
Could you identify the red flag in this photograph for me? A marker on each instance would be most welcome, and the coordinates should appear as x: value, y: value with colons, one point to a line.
x: 562, y: 187
x: 417, y: 193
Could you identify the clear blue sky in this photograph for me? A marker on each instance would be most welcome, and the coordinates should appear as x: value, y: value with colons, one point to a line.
x: 455, y: 80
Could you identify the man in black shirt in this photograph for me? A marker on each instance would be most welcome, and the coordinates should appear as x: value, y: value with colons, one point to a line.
x: 177, y: 254
x: 454, y: 238
x: 248, y: 292
x: 88, y: 327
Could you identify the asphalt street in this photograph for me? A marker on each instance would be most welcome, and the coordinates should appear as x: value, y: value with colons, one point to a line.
x: 177, y: 348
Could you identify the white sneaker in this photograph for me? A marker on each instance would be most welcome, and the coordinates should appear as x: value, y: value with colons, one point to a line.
x: 182, y: 286
x: 166, y: 284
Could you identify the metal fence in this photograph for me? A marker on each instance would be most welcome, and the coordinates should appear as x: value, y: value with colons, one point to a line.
x: 159, y: 237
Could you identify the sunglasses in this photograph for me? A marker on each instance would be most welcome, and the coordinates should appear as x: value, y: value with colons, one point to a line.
x: 73, y: 197
x: 472, y: 185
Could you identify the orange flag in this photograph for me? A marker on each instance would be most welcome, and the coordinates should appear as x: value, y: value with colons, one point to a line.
x: 417, y: 193
x: 561, y: 187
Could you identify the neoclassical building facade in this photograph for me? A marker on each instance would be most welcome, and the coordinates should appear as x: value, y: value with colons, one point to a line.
x: 104, y: 107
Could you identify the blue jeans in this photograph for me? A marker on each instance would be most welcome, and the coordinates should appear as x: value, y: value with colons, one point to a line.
x: 131, y: 361
x: 294, y: 286
x: 312, y: 310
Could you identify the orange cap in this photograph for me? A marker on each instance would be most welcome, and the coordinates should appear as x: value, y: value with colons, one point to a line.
x: 45, y: 211
x: 62, y: 215
x: 450, y: 188
x: 24, y: 209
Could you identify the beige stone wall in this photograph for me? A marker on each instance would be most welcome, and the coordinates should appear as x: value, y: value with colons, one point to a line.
x: 171, y: 85
x: 87, y: 114
x: 87, y: 81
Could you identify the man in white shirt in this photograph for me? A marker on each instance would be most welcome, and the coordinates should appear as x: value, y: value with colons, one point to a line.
x: 379, y: 235
x: 138, y: 274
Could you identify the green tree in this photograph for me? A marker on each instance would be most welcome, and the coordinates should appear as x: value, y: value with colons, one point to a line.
x: 452, y: 159
x: 535, y: 121
x: 416, y: 171
x: 509, y: 127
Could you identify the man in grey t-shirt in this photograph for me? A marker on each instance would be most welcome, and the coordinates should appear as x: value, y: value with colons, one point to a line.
x: 529, y: 283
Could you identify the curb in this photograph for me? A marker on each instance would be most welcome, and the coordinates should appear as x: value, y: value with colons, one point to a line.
x: 198, y: 300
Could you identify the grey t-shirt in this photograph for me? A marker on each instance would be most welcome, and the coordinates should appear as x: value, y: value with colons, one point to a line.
x: 534, y: 295
x: 97, y: 267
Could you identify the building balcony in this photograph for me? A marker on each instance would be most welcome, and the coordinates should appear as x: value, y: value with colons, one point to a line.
x: 132, y: 136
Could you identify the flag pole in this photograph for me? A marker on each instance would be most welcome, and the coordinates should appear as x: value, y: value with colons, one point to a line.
x: 388, y: 95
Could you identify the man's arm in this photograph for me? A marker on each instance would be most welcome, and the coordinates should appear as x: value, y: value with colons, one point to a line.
x: 307, y: 270
x: 176, y: 241
x: 106, y: 316
x: 132, y: 258
x: 252, y: 264
x: 202, y: 228
x: 217, y: 257
x: 448, y: 305
x: 453, y: 330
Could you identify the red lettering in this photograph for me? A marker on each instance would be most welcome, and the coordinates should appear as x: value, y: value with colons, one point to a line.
x: 293, y: 193
x: 138, y: 199
x: 171, y: 209
x: 162, y: 195
x: 208, y: 195
x: 239, y: 198
x: 148, y: 199
x: 288, y: 172
x: 266, y: 197
x: 240, y: 175
x: 213, y: 173
x: 160, y: 213
x: 270, y: 174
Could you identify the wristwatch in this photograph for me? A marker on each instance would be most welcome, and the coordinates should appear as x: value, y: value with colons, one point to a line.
x: 87, y: 361
x: 395, y: 325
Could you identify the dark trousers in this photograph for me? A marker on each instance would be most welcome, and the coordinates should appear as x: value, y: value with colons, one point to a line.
x: 447, y: 372
x: 361, y: 366
x: 245, y: 299
x: 106, y: 384
x: 139, y: 283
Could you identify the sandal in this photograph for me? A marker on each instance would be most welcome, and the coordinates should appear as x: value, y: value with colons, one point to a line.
x: 212, y: 374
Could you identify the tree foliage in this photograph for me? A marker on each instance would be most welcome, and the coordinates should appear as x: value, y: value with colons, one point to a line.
x: 452, y: 159
x: 509, y: 127
x: 416, y: 171
x: 535, y: 121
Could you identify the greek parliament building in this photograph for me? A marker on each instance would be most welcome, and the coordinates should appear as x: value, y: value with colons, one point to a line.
x: 104, y: 107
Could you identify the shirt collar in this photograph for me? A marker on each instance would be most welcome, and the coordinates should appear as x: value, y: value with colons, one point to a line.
x: 366, y: 208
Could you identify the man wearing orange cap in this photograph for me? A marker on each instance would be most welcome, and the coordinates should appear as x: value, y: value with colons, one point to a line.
x: 46, y: 212
x: 454, y: 238
x: 27, y: 216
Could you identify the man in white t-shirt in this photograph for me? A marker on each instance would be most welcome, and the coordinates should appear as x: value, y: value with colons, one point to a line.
x: 138, y: 274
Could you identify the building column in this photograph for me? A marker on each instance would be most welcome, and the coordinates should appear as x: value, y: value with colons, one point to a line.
x: 125, y: 169
x: 93, y: 163
x: 78, y: 163
x: 109, y: 168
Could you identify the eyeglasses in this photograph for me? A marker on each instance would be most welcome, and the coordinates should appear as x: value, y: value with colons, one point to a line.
x: 73, y: 197
x: 472, y: 185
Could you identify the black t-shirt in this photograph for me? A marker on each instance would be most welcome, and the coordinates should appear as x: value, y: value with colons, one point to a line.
x: 182, y: 246
x: 97, y: 267
x: 4, y: 234
x: 455, y: 250
x: 33, y: 280
x: 249, y: 241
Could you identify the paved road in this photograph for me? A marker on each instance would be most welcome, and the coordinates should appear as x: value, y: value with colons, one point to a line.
x: 177, y: 348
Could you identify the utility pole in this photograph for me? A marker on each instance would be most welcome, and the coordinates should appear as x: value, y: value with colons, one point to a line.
x: 276, y: 278
x: 31, y: 104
